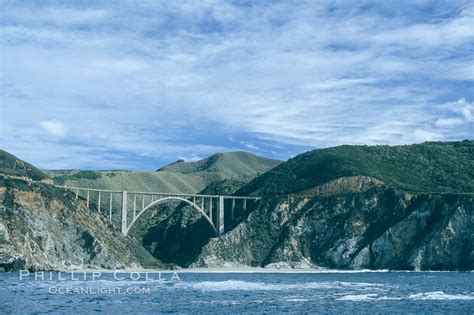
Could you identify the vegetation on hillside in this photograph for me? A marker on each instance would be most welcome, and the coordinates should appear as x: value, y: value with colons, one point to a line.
x: 426, y: 167
x: 229, y: 164
x: 225, y: 186
x: 75, y: 175
x: 11, y: 165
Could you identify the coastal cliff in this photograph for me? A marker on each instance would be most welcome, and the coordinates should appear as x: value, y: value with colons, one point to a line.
x: 358, y: 207
x: 348, y: 207
x: 44, y: 228
x: 379, y: 228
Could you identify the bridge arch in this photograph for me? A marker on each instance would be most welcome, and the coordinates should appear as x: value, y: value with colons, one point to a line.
x: 174, y: 198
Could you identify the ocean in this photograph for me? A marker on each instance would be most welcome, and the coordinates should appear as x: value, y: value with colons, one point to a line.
x: 237, y: 292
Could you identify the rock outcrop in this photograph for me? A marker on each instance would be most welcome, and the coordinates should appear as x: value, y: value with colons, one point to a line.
x: 379, y: 228
x: 42, y: 228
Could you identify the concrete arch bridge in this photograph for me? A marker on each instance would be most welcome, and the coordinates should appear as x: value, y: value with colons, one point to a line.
x: 134, y: 203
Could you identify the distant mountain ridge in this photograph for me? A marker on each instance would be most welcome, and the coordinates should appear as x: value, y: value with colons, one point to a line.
x: 178, y: 177
x: 238, y: 163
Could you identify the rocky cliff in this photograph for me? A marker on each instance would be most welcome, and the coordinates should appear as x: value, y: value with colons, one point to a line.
x: 380, y: 228
x: 328, y: 208
x: 44, y: 228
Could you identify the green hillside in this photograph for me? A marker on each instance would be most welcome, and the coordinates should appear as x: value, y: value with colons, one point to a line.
x: 184, y: 177
x: 11, y: 165
x: 229, y: 165
x: 426, y: 167
x: 128, y: 180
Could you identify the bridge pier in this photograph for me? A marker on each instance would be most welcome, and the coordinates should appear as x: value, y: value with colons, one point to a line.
x: 124, y: 212
x: 232, y: 209
x: 110, y: 208
x: 210, y: 209
x: 221, y: 216
x: 98, y: 203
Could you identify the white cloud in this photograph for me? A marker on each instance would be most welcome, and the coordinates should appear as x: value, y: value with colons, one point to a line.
x: 148, y: 78
x: 54, y: 128
x: 461, y: 109
x: 192, y: 158
x: 425, y: 135
x: 249, y: 145
x: 448, y: 122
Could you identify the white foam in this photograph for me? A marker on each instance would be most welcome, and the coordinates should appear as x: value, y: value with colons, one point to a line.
x: 437, y: 295
x: 359, y: 284
x: 440, y: 295
x: 358, y: 297
x: 297, y: 300
x: 367, y: 297
x: 262, y: 286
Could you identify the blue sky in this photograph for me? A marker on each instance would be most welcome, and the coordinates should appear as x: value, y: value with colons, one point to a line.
x: 138, y: 84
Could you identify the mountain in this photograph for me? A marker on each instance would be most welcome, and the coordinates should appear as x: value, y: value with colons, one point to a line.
x: 352, y: 207
x: 44, y: 228
x: 227, y: 165
x: 178, y: 177
x: 426, y: 167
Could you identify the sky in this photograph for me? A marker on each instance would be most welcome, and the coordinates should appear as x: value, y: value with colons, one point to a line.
x: 139, y: 84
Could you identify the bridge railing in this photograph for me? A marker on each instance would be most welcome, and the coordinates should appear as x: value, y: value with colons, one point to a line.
x: 149, y: 193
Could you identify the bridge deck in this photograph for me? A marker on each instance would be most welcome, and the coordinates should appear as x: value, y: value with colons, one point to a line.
x: 150, y: 193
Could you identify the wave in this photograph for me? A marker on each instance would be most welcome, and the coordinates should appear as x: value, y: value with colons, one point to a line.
x: 440, y: 295
x: 297, y: 300
x: 358, y: 297
x: 368, y: 297
x: 436, y: 295
x: 237, y: 285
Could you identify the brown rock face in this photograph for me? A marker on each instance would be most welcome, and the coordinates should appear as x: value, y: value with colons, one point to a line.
x: 41, y: 228
x: 377, y: 228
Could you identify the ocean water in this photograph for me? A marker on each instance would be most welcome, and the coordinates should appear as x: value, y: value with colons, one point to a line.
x: 329, y: 292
